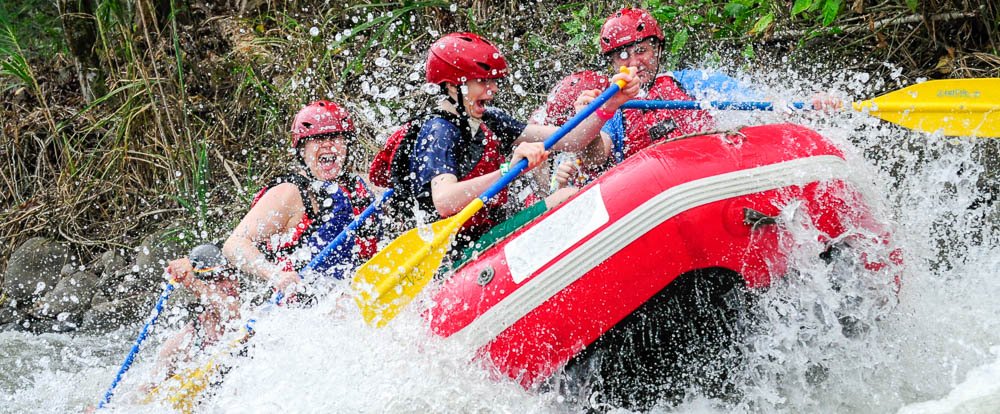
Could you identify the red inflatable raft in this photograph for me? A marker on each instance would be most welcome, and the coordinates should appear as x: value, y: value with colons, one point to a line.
x: 536, y: 299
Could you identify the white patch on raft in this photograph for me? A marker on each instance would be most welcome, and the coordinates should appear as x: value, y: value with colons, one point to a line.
x: 552, y: 236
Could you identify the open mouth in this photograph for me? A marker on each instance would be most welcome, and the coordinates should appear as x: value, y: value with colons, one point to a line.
x: 328, y: 161
x: 480, y: 105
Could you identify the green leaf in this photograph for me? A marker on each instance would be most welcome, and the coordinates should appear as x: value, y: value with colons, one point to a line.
x: 734, y: 9
x: 830, y: 10
x: 762, y: 24
x: 748, y: 51
x: 680, y: 40
x: 801, y: 6
x: 913, y: 4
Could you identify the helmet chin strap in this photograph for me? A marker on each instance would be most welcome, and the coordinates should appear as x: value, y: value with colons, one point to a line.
x: 463, y: 116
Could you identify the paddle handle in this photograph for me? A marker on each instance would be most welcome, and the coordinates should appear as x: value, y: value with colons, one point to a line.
x: 573, y: 122
x: 726, y: 105
x: 351, y: 228
x: 135, y: 347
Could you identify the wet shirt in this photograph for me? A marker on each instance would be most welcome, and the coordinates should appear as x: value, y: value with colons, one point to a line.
x: 441, y: 148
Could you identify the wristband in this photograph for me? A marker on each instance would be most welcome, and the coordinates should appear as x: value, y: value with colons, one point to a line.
x: 504, y: 168
x: 604, y: 115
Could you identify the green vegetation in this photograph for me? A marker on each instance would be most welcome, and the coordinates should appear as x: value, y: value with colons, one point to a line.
x: 121, y: 117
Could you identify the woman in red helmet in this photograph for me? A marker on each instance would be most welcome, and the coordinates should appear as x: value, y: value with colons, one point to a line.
x: 632, y: 37
x: 466, y: 146
x: 297, y: 214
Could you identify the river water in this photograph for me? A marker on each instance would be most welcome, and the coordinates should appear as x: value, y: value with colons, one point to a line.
x: 932, y: 348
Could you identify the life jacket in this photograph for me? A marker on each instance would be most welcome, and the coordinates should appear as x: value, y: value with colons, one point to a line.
x: 643, y: 127
x: 338, y: 207
x: 391, y: 168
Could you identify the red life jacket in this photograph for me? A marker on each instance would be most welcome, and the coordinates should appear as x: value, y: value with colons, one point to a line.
x: 391, y: 168
x: 490, y: 161
x: 644, y: 127
x: 289, y: 253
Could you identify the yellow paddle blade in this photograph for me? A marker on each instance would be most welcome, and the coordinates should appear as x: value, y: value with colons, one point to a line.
x: 391, y: 279
x: 953, y: 107
x: 183, y: 389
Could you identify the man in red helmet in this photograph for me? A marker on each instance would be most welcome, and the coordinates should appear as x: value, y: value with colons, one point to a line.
x: 464, y: 147
x: 297, y: 214
x: 632, y: 37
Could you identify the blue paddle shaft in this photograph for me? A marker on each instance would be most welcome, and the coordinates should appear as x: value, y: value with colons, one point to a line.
x: 348, y: 230
x: 135, y: 347
x: 725, y: 105
x: 353, y: 226
x: 521, y: 165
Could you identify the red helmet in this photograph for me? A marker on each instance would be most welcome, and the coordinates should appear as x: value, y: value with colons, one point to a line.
x: 459, y: 57
x: 320, y: 118
x: 626, y: 27
x: 559, y: 106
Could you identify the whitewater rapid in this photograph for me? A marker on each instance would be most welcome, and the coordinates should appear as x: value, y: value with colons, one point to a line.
x: 933, y: 347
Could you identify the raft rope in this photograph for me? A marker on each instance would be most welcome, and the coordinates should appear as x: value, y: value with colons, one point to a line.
x: 726, y: 133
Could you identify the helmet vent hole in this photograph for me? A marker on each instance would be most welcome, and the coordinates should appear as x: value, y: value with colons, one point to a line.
x: 467, y: 39
x: 484, y: 66
x: 307, y: 125
x: 640, y: 27
x: 605, y: 40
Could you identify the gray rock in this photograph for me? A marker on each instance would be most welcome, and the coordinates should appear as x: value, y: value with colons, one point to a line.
x: 110, y: 262
x: 151, y: 259
x: 110, y: 280
x: 33, y: 269
x: 114, y: 314
x: 8, y: 314
x: 67, y: 270
x: 99, y: 298
x: 69, y: 299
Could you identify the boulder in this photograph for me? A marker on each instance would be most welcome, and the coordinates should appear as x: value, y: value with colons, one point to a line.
x: 110, y: 262
x: 69, y: 299
x: 99, y: 298
x: 152, y: 255
x: 8, y: 314
x: 33, y: 269
x: 107, y: 285
x: 111, y: 315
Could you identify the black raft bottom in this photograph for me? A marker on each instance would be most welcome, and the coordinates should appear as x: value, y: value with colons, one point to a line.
x: 686, y: 338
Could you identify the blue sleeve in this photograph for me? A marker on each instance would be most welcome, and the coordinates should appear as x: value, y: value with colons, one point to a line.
x: 503, y: 125
x: 714, y: 86
x: 434, y: 154
x: 615, y: 128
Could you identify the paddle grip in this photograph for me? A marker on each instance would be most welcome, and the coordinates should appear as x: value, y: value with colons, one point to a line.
x: 724, y: 105
x: 573, y: 122
x: 135, y: 347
